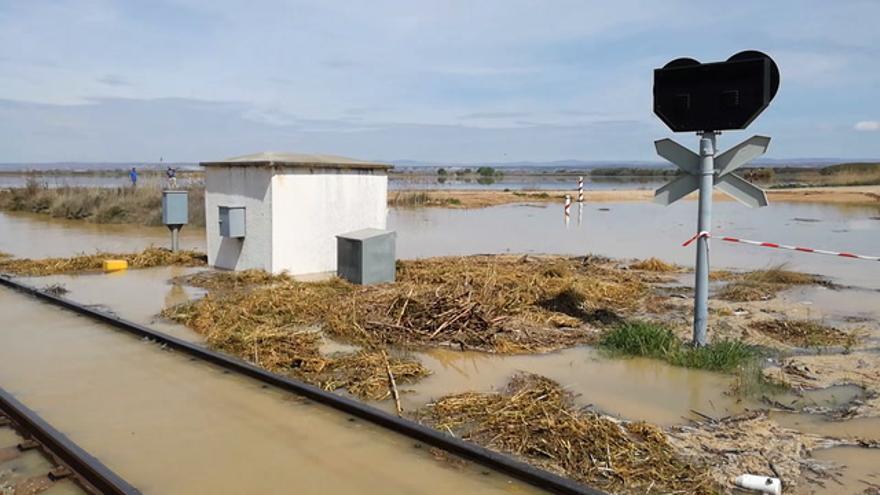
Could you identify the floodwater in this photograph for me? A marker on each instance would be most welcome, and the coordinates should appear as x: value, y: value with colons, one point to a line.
x: 635, y: 389
x: 630, y: 388
x: 641, y: 230
x: 525, y: 183
x: 28, y: 465
x: 191, y: 428
x: 862, y: 470
x: 136, y: 295
x: 512, y: 182
x: 31, y: 235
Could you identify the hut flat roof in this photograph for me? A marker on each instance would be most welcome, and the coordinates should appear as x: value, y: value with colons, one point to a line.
x: 300, y: 160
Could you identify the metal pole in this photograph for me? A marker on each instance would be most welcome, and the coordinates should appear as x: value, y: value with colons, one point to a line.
x: 175, y: 240
x: 704, y: 226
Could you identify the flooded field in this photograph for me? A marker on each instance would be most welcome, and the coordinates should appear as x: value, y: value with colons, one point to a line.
x: 192, y: 428
x: 640, y: 230
x: 513, y: 183
x: 525, y: 183
x: 36, y: 236
x: 638, y: 389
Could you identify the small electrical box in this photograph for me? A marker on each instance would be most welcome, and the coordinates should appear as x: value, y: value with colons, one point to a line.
x: 175, y: 209
x: 232, y: 222
x: 366, y: 256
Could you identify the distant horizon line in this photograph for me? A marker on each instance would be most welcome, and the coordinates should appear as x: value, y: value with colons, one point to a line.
x: 571, y: 162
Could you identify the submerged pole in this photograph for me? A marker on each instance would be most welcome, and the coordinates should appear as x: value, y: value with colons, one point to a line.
x: 704, y: 226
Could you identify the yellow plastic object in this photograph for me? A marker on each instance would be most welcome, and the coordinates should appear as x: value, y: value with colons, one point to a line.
x: 115, y: 265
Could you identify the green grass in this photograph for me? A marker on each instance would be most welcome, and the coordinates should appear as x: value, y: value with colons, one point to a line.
x: 648, y: 339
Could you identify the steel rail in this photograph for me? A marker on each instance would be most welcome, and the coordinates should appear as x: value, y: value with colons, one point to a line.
x: 532, y: 475
x: 97, y: 477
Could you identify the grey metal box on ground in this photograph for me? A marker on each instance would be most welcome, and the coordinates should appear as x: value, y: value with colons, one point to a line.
x: 366, y: 256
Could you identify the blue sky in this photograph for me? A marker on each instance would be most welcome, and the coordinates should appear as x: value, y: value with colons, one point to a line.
x: 445, y: 81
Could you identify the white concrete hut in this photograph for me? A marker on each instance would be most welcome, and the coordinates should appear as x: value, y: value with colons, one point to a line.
x: 282, y: 211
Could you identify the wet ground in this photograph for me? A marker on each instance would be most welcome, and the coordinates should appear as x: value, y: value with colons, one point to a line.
x: 630, y: 388
x: 29, y: 464
x: 191, y: 428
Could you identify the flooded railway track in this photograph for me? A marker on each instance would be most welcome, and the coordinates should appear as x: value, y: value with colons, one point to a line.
x: 27, y: 432
x: 531, y: 475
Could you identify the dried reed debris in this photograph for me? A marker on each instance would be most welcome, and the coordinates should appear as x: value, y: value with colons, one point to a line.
x: 653, y: 265
x: 536, y: 419
x: 761, y: 285
x: 487, y: 303
x: 804, y: 333
x: 751, y: 443
x: 148, y: 258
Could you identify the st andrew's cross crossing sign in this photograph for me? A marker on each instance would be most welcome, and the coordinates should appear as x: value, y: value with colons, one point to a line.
x: 707, y: 98
x: 723, y: 176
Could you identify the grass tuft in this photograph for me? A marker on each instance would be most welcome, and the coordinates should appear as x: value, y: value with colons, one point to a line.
x: 648, y: 339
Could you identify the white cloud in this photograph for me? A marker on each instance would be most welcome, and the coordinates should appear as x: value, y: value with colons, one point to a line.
x: 867, y: 125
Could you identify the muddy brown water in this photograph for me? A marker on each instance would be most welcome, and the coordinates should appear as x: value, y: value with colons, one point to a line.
x: 631, y: 388
x: 172, y: 425
x: 861, y: 470
x: 641, y: 230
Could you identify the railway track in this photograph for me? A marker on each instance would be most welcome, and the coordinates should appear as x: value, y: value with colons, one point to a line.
x: 539, y: 478
x: 69, y: 462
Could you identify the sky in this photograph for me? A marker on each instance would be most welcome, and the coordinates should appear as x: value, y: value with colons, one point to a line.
x: 437, y: 81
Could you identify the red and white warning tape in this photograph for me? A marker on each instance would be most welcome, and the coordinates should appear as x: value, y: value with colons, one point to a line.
x: 801, y: 249
x: 785, y: 246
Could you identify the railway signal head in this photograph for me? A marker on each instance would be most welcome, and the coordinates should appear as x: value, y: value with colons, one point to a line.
x: 691, y: 96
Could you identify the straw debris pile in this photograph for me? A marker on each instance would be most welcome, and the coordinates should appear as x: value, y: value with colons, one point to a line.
x: 751, y: 443
x: 150, y: 257
x: 535, y: 419
x: 804, y: 333
x: 275, y: 326
x: 654, y: 265
x: 762, y: 285
x: 486, y: 303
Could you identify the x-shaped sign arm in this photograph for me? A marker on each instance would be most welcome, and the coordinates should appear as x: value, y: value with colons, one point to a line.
x: 725, y: 163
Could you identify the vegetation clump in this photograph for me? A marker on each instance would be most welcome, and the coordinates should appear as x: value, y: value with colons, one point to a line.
x: 653, y: 265
x: 536, y: 419
x: 148, y: 258
x: 139, y: 205
x: 804, y: 333
x: 419, y: 199
x: 762, y: 284
x: 648, y: 339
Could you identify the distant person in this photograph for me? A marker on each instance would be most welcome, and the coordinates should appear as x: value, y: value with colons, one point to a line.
x: 171, y: 173
x: 133, y: 175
